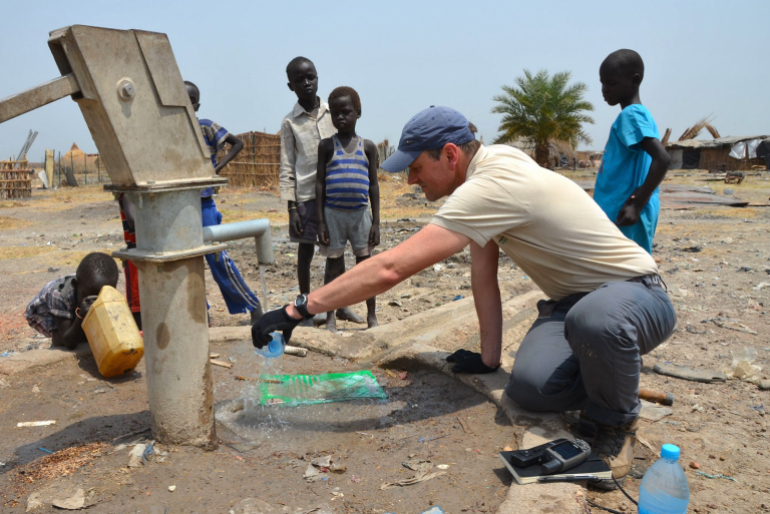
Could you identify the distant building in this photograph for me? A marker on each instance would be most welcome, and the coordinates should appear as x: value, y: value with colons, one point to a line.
x: 720, y: 154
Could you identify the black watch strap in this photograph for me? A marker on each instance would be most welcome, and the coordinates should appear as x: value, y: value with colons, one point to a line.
x: 301, y: 305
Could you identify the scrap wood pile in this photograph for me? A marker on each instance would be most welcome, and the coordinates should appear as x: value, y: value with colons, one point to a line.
x: 15, y: 180
x: 257, y: 164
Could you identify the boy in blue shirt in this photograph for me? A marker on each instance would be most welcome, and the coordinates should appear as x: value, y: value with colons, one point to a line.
x: 635, y: 162
x: 236, y: 293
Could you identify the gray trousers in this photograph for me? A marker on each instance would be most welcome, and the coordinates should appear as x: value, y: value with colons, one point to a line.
x: 584, y: 351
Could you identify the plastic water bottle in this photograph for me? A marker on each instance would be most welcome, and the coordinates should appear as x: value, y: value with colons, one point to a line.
x: 274, y: 348
x: 664, y: 488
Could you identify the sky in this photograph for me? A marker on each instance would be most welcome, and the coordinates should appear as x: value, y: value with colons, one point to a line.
x: 702, y: 58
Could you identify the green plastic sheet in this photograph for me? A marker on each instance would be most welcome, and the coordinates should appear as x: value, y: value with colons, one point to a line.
x: 311, y: 389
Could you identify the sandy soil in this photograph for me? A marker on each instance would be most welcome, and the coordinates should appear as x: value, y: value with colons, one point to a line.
x: 715, y: 261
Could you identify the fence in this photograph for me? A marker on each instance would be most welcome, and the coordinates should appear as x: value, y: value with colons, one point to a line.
x: 257, y: 164
x: 15, y: 180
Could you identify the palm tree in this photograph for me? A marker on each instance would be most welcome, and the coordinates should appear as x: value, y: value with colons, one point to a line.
x: 543, y: 109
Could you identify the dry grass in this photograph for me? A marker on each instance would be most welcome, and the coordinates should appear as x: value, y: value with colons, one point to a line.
x: 235, y: 214
x: 7, y: 223
x: 61, y: 199
x: 23, y: 252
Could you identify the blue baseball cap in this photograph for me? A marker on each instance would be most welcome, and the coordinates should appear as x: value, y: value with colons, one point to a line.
x: 429, y: 129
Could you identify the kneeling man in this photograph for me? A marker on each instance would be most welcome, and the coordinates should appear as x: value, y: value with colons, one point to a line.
x: 606, y: 306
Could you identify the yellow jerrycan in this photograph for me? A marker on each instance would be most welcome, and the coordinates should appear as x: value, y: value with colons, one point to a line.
x: 112, y: 333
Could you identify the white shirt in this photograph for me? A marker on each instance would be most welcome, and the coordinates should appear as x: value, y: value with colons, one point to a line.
x: 300, y: 134
x: 543, y: 221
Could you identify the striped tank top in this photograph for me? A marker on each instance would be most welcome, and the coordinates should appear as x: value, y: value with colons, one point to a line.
x: 347, y: 177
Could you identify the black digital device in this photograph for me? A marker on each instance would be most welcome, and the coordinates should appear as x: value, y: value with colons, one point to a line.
x: 533, y: 456
x: 564, y: 456
x: 554, y: 456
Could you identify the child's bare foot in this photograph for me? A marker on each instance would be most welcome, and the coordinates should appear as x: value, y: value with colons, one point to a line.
x: 331, y: 322
x: 371, y: 321
x: 346, y: 314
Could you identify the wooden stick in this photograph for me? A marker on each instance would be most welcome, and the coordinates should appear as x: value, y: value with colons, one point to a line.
x: 466, y: 426
x: 295, y: 350
x: 221, y: 364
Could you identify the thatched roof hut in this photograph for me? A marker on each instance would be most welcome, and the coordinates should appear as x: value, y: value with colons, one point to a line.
x: 720, y: 154
x: 79, y: 161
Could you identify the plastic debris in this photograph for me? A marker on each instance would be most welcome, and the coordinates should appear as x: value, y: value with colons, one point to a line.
x: 6, y: 354
x: 311, y: 389
x: 319, y: 468
x: 458, y: 297
x: 172, y: 488
x: 22, y: 424
x: 44, y: 450
x: 422, y: 467
x: 742, y: 366
x: 149, y: 452
x: 702, y: 474
x: 135, y: 455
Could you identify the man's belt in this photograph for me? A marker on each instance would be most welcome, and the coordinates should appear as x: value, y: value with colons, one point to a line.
x: 648, y: 280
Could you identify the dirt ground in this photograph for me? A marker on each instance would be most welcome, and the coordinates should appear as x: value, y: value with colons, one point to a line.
x: 714, y: 259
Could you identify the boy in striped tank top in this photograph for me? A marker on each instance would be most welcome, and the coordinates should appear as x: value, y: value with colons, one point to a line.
x: 346, y: 182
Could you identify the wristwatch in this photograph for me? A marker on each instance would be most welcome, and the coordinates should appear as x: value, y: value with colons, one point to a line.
x: 301, y: 305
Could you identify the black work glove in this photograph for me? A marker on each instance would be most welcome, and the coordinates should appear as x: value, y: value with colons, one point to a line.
x: 469, y: 362
x: 271, y: 322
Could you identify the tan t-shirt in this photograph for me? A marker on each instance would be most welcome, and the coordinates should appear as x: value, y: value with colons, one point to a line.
x: 545, y: 222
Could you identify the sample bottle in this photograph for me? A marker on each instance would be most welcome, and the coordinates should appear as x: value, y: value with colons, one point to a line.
x: 274, y: 348
x: 664, y: 488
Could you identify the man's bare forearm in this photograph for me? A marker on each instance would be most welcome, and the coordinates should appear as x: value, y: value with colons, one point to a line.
x: 377, y: 274
x: 486, y: 297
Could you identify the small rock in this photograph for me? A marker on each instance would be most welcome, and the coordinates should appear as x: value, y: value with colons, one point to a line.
x: 722, y: 458
x: 507, y: 449
x: 764, y: 385
x: 712, y: 505
x: 694, y: 465
x: 35, y: 389
x: 172, y: 488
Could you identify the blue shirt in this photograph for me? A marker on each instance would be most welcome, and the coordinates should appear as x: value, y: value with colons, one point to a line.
x: 624, y: 168
x: 215, y: 136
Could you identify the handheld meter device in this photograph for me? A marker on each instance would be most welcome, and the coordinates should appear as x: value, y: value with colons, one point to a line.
x: 564, y: 455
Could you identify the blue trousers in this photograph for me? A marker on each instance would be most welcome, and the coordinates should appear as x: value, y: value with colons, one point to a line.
x: 237, y: 295
x: 585, y: 351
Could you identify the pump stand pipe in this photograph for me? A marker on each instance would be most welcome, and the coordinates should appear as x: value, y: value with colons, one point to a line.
x: 258, y: 229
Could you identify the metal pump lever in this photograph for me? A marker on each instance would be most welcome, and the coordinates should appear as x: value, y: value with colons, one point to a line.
x: 38, y: 96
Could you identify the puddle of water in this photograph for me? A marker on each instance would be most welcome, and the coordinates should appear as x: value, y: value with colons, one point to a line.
x: 292, y: 427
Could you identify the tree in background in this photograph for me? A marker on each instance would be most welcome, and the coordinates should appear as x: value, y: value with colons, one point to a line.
x: 543, y: 109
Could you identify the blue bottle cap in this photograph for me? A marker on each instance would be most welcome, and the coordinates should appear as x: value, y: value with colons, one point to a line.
x: 669, y: 451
